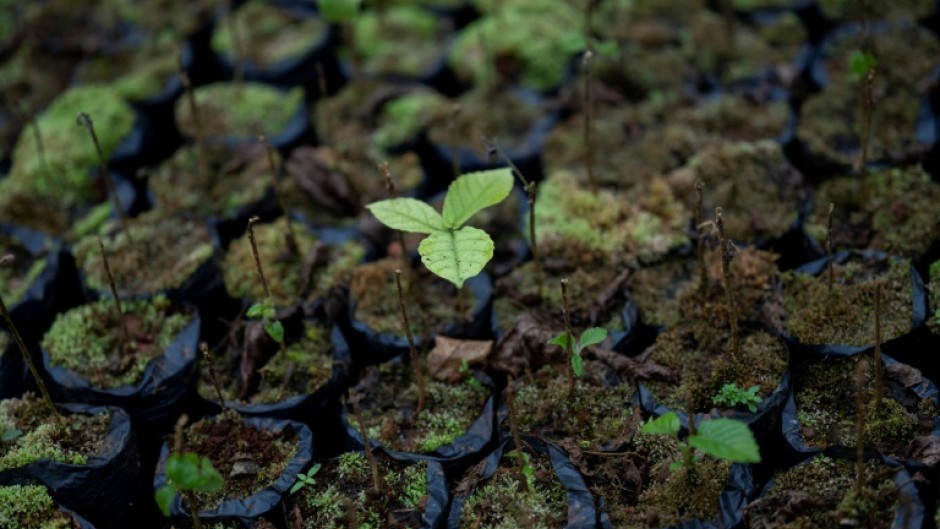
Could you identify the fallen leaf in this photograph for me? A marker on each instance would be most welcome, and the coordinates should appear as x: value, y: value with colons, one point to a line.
x: 449, y: 354
x: 324, y: 186
x: 526, y: 344
x: 635, y: 368
x: 605, y: 298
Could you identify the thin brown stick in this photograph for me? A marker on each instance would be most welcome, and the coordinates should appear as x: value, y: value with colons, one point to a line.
x: 197, y: 130
x: 84, y: 120
x: 829, y: 263
x: 207, y: 356
x: 728, y: 252
x: 367, y: 447
x: 510, y: 396
x: 568, y: 350
x: 254, y: 251
x: 452, y: 133
x: 586, y: 62
x: 860, y: 374
x: 413, y: 351
x: 879, y: 365
x: 290, y: 239
x: 390, y: 187
x: 699, y: 238
x: 114, y: 294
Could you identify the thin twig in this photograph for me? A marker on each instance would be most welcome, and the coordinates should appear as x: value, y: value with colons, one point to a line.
x: 568, y: 350
x: 415, y: 360
x: 197, y: 130
x: 114, y: 294
x: 254, y: 251
x: 509, y: 395
x: 84, y: 120
x: 290, y: 239
x: 390, y: 187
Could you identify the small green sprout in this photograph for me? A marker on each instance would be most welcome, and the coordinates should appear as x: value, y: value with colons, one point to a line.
x: 722, y: 438
x: 187, y: 473
x: 730, y: 395
x: 266, y: 311
x: 451, y: 250
x: 861, y: 63
x: 470, y: 379
x: 305, y: 479
x: 528, y: 471
x: 592, y: 336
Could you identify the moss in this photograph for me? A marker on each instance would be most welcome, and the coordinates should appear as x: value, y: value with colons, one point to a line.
x: 69, y: 151
x: 39, y: 436
x: 30, y: 507
x: 678, y: 498
x: 16, y: 279
x: 284, y: 271
x: 484, y: 114
x: 824, y: 490
x: 737, y: 118
x: 88, y: 339
x: 933, y: 294
x: 825, y: 396
x: 401, y: 40
x: 405, y: 117
x: 657, y: 288
x: 846, y: 315
x: 237, y: 178
x: 21, y: 206
x: 225, y: 109
x: 156, y: 255
x: 501, y: 502
x: 161, y: 15
x: 269, y: 34
x: 135, y: 73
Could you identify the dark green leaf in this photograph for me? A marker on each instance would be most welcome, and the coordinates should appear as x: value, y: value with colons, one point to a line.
x: 577, y: 365
x: 726, y: 439
x: 164, y: 498
x: 562, y: 340
x: 667, y: 423
x: 275, y: 329
x: 255, y: 311
x: 592, y: 336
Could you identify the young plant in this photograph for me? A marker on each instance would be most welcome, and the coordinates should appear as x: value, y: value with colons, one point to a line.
x: 525, y: 468
x: 721, y: 438
x: 390, y: 187
x: 305, y: 479
x: 84, y: 120
x: 575, y: 347
x: 862, y: 65
x: 451, y: 250
x: 265, y: 310
x: 187, y: 474
x: 730, y: 395
x: 290, y: 240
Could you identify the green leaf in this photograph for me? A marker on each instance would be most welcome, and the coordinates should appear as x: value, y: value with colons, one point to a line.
x: 675, y: 465
x: 592, y: 336
x: 164, y: 498
x: 456, y: 256
x: 275, y: 329
x: 472, y: 192
x: 726, y: 439
x: 861, y: 62
x: 577, y: 365
x: 313, y: 470
x: 407, y: 214
x: 301, y: 483
x: 338, y: 11
x: 255, y: 311
x: 667, y: 423
x: 11, y: 435
x: 188, y: 472
x: 562, y: 340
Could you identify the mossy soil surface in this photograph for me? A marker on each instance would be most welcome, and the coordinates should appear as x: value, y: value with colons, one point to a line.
x: 17, y: 275
x: 234, y: 448
x: 90, y: 341
x: 343, y: 495
x: 228, y: 109
x: 30, y: 432
x: 845, y: 315
x: 388, y: 408
x: 826, y: 393
x: 484, y: 113
x: 399, y: 40
x: 821, y: 494
x: 31, y: 507
x: 267, y: 34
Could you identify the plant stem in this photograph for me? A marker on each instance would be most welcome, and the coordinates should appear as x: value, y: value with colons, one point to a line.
x: 728, y: 251
x: 34, y: 124
x: 188, y: 494
x: 207, y: 356
x: 586, y: 62
x: 829, y: 248
x: 21, y: 345
x: 568, y: 350
x: 868, y: 108
x: 290, y: 240
x: 254, y: 251
x: 860, y: 374
x: 367, y: 448
x: 413, y: 351
x: 452, y: 132
x: 390, y: 187
x: 238, y: 48
x: 84, y: 120
x: 510, y: 396
x: 197, y: 130
x: 879, y: 365
x: 699, y: 239
x: 114, y: 294
x: 324, y: 125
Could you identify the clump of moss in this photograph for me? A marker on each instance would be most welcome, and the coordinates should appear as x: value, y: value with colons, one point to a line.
x: 399, y: 39
x: 736, y: 118
x: 30, y: 507
x: 403, y: 118
x: 228, y: 109
x: 283, y: 270
x: 933, y: 293
x: 89, y: 341
x: 21, y: 206
x: 237, y: 178
x: 503, y: 503
x: 824, y: 489
x: 158, y: 254
x: 825, y: 407
x: 136, y: 73
x: 69, y: 153
x: 15, y: 279
x: 346, y: 482
x: 483, y: 114
x: 31, y: 433
x: 270, y: 34
x: 844, y: 316
x: 903, y: 52
x: 677, y: 498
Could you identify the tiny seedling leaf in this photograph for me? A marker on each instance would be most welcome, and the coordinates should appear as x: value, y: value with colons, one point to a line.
x: 577, y: 365
x: 456, y: 256
x: 407, y: 214
x: 861, y: 62
x: 562, y: 340
x: 275, y: 330
x: 164, y: 498
x: 472, y: 192
x: 675, y: 465
x: 667, y: 423
x: 255, y: 311
x: 726, y: 439
x: 592, y: 336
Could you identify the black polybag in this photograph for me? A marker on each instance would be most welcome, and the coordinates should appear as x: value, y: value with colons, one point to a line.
x: 103, y: 489
x: 262, y: 502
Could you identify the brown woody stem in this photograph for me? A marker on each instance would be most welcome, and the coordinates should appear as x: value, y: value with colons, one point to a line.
x: 568, y: 350
x: 390, y: 187
x: 510, y: 396
x: 727, y: 256
x: 114, y: 293
x: 413, y: 351
x: 84, y: 120
x: 290, y: 239
x: 254, y: 251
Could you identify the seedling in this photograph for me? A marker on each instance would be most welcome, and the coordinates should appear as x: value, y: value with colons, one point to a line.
x: 862, y: 65
x: 114, y: 293
x: 290, y: 240
x: 525, y: 468
x: 84, y: 120
x: 470, y: 379
x: 207, y: 356
x: 721, y: 438
x: 451, y: 250
x: 353, y: 406
x: 415, y: 361
x: 728, y: 252
x: 265, y: 310
x: 860, y: 397
x: 305, y: 479
x: 730, y: 395
x: 187, y: 474
x: 879, y: 365
x: 592, y: 336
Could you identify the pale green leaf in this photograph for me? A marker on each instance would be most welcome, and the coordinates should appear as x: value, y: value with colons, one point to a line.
x: 255, y: 310
x: 407, y: 214
x: 592, y: 336
x: 726, y: 439
x: 474, y: 191
x: 164, y: 498
x: 667, y: 423
x: 275, y: 329
x: 456, y: 256
x: 562, y: 340
x: 577, y: 365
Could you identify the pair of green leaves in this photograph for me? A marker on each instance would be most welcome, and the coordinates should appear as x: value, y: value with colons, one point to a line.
x: 731, y: 395
x: 305, y: 479
x: 187, y: 472
x: 721, y: 438
x: 266, y: 311
x: 592, y: 336
x: 451, y: 250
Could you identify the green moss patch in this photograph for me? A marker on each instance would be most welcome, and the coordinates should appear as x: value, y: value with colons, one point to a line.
x: 16, y: 278
x: 404, y: 117
x: 343, y: 487
x: 402, y: 40
x: 678, y: 496
x: 30, y: 507
x: 227, y: 109
x: 269, y: 34
x: 845, y: 316
x: 933, y: 293
x: 484, y: 114
x: 31, y: 433
x: 89, y: 341
x: 284, y: 270
x: 138, y: 73
x: 21, y: 206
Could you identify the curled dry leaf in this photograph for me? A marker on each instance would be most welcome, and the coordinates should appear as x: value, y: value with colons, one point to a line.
x: 327, y: 188
x: 526, y: 344
x: 636, y: 368
x: 449, y: 354
x: 258, y: 348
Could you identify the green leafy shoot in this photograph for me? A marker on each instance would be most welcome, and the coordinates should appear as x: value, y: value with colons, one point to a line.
x: 592, y: 336
x: 730, y: 396
x: 860, y: 63
x: 465, y: 371
x: 266, y: 311
x: 451, y: 250
x: 305, y: 479
x: 187, y: 472
x: 721, y: 438
x: 527, y: 469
